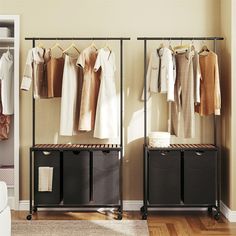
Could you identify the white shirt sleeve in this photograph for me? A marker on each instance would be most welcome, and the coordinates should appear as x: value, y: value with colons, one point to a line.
x: 170, y: 77
x: 28, y: 72
x: 81, y: 60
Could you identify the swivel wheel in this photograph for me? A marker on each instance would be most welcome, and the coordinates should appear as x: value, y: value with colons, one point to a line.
x: 142, y: 209
x: 144, y: 216
x: 29, y: 217
x: 35, y: 209
x: 119, y: 217
x: 217, y: 215
x: 209, y: 209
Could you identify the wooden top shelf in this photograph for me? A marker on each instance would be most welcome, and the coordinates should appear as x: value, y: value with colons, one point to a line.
x: 76, y: 147
x: 185, y: 147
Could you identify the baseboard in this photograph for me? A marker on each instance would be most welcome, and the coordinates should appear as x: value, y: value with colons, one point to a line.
x: 229, y: 214
x: 11, y: 202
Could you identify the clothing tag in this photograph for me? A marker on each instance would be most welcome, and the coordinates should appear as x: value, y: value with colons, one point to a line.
x: 25, y: 84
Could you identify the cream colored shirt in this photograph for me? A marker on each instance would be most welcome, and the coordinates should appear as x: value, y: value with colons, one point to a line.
x: 161, y: 73
x: 7, y: 83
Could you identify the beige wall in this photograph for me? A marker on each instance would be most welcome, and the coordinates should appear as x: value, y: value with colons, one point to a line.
x: 108, y: 18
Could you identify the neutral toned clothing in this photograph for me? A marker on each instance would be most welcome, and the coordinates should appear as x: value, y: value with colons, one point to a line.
x: 184, y: 88
x: 197, y: 77
x: 210, y: 85
x: 36, y: 70
x: 4, y: 122
x: 106, y: 122
x: 90, y: 89
x: 55, y: 68
x: 161, y: 73
x: 7, y: 83
x: 152, y: 73
x: 69, y: 106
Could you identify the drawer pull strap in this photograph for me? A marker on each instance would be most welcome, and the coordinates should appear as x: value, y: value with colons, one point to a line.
x: 199, y: 153
x: 46, y: 153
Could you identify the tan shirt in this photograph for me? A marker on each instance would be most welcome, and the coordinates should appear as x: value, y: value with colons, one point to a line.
x: 90, y: 89
x: 55, y: 68
x: 210, y: 100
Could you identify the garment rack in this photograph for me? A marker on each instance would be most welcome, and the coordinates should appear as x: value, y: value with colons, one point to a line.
x: 146, y: 205
x: 119, y: 147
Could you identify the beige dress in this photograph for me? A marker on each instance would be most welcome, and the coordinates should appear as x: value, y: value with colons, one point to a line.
x: 184, y: 95
x: 90, y: 89
x: 36, y: 70
x: 69, y: 97
x: 210, y: 85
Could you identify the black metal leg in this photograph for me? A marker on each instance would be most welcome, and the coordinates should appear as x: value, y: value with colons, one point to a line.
x: 29, y: 217
x: 145, y: 185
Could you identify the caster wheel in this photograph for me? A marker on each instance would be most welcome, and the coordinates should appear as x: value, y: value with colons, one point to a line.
x: 29, y: 217
x: 142, y: 209
x: 144, y: 216
x: 217, y: 216
x: 209, y: 210
x: 119, y: 217
x: 35, y: 209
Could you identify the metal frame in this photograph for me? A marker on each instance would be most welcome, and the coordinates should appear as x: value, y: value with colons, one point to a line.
x: 146, y: 149
x: 119, y: 149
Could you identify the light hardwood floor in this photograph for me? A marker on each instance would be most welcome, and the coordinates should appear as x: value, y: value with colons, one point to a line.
x: 159, y: 223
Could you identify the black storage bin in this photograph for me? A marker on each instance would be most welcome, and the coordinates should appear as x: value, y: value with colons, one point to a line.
x: 164, y: 177
x: 106, y: 177
x: 76, y: 181
x: 47, y: 159
x: 200, y: 177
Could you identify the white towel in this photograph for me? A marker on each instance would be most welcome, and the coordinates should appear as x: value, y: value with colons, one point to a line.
x: 45, y: 179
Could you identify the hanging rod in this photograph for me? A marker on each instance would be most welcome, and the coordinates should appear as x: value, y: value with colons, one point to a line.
x: 77, y: 38
x: 180, y: 38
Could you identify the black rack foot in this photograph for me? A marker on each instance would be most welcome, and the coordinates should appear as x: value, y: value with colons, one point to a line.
x: 35, y: 209
x: 119, y: 216
x: 209, y: 209
x: 29, y: 217
x: 144, y: 216
x: 142, y: 209
x: 217, y: 215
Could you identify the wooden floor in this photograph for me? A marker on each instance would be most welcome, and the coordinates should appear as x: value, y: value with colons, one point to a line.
x: 161, y: 223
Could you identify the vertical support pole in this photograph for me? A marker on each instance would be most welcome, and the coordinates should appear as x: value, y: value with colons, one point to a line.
x: 215, y: 120
x: 30, y: 183
x: 145, y: 93
x: 217, y: 142
x: 121, y: 130
x: 33, y: 109
x: 145, y: 156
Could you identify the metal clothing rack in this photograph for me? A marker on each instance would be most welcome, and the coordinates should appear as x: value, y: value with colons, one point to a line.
x: 146, y: 150
x: 109, y: 147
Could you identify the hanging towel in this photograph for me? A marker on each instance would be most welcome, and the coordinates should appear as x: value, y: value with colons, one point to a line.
x: 45, y: 179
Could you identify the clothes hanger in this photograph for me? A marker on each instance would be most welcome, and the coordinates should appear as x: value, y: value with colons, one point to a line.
x: 181, y: 47
x: 170, y: 46
x: 93, y: 45
x: 106, y: 46
x: 57, y: 45
x: 72, y: 46
x: 192, y: 46
x: 205, y: 50
x: 40, y: 44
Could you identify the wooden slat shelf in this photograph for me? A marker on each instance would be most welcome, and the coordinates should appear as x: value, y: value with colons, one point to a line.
x: 185, y: 147
x: 59, y: 147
